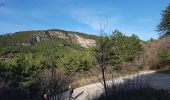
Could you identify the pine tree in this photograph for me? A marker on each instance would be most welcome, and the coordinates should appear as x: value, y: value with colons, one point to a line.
x: 164, y: 26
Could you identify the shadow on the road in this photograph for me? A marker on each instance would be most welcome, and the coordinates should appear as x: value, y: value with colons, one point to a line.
x: 78, y: 94
x: 147, y: 86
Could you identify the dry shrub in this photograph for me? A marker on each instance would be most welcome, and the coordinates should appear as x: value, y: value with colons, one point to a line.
x: 151, y: 55
x: 150, y: 58
x: 53, y: 81
x: 128, y: 67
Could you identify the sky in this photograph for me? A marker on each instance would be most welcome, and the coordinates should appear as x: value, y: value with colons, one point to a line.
x: 138, y: 17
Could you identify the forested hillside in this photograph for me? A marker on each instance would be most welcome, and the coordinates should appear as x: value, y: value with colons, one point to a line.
x: 42, y: 58
x: 33, y: 47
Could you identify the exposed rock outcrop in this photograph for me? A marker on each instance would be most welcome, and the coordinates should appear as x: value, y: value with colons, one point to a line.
x: 44, y: 36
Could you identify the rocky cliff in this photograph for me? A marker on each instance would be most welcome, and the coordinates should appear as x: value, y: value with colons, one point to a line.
x: 44, y: 36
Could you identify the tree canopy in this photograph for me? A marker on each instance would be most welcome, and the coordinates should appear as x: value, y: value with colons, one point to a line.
x: 164, y: 26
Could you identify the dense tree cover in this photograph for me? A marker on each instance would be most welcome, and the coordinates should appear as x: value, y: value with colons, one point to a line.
x: 113, y: 50
x: 124, y: 48
x: 77, y: 61
x: 23, y: 68
x: 20, y: 65
x: 62, y: 53
x: 14, y: 43
x: 14, y: 39
x: 164, y: 26
x: 121, y: 48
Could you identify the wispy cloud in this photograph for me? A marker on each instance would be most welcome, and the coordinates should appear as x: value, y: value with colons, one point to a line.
x: 94, y: 17
x: 84, y: 15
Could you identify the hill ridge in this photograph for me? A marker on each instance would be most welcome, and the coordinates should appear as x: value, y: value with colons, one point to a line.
x: 36, y: 36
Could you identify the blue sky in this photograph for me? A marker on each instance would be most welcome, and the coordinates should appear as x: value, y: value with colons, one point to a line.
x: 138, y: 17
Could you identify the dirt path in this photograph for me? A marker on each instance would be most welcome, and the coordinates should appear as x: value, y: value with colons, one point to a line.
x: 156, y: 80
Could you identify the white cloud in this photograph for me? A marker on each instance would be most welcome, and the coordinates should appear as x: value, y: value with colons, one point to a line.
x: 95, y: 17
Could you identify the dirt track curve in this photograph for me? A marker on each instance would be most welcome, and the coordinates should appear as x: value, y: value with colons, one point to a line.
x: 156, y: 80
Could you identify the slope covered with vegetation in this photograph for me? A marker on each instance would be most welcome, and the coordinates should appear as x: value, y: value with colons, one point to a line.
x: 48, y: 60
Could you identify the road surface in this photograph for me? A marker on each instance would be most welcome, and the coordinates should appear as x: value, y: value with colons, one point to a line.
x: 156, y: 80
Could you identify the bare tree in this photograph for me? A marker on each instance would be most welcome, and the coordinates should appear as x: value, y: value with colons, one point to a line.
x: 103, y: 57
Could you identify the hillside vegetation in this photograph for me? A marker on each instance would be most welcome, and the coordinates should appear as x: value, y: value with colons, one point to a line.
x: 33, y: 57
x: 34, y: 63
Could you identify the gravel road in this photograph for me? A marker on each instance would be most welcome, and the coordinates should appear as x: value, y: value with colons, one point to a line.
x: 156, y: 80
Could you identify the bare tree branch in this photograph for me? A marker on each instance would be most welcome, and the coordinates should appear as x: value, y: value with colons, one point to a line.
x: 102, y: 56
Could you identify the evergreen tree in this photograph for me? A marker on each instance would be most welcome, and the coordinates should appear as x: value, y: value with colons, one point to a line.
x: 164, y: 26
x: 123, y: 48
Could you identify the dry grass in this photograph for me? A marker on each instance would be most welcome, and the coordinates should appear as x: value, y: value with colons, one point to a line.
x: 84, y: 81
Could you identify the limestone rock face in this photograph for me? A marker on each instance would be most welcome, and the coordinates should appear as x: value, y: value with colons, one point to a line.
x: 44, y: 36
x: 84, y: 42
